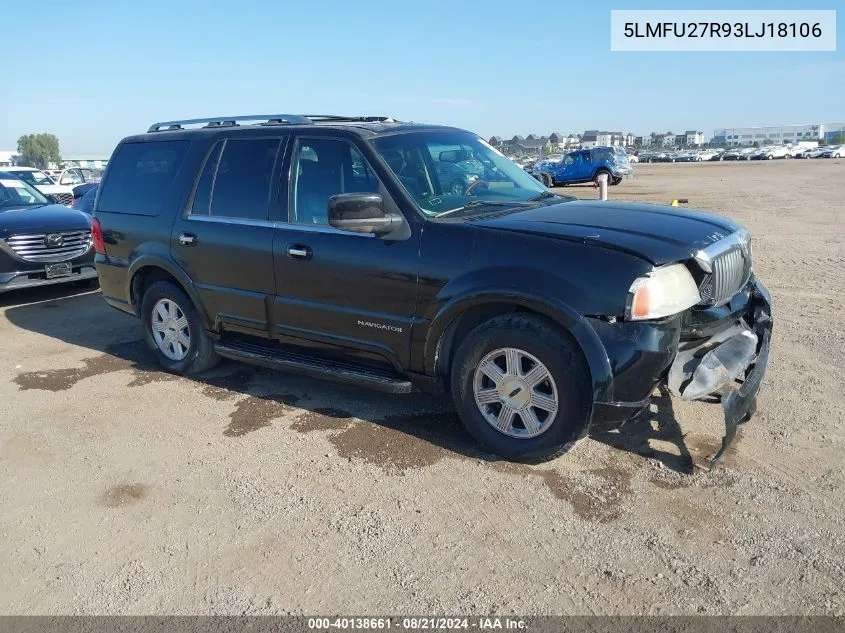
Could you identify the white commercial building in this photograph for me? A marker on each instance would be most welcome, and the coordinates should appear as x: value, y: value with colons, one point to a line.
x: 779, y: 134
x: 6, y: 158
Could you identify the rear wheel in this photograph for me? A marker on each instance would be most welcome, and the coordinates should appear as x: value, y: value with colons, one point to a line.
x: 174, y: 330
x: 607, y: 173
x: 521, y: 387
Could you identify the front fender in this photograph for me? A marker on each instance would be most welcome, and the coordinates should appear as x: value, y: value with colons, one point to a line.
x: 541, y: 303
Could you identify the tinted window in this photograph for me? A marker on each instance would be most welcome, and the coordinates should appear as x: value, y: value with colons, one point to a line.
x: 140, y: 177
x: 323, y: 168
x: 241, y: 187
x: 202, y: 196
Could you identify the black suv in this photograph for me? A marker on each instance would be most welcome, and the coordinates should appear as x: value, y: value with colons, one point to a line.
x: 331, y: 246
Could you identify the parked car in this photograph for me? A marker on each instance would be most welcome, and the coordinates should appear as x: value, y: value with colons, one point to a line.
x: 73, y: 176
x: 586, y: 165
x: 836, y: 151
x: 814, y: 152
x: 539, y: 314
x: 41, y: 242
x: 770, y: 153
x: 41, y: 181
x: 709, y: 154
x: 85, y: 200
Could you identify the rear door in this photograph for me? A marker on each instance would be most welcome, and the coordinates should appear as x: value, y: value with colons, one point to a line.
x: 224, y: 240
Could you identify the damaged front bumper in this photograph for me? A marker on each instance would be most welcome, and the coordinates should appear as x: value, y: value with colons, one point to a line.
x: 730, y: 363
x: 708, y: 354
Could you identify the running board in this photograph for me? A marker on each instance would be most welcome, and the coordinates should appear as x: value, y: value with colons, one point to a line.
x: 283, y: 360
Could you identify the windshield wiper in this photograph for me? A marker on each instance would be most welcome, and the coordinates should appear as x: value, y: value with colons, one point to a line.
x: 485, y: 203
x: 543, y: 196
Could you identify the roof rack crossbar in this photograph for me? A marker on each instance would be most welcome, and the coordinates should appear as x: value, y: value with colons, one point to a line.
x: 339, y: 117
x: 273, y: 119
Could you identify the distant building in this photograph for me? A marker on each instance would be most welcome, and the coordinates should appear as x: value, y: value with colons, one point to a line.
x: 693, y: 138
x: 7, y: 158
x: 779, y: 134
x: 496, y: 141
x: 96, y: 161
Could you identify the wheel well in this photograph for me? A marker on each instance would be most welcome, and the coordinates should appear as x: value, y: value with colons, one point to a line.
x: 469, y: 319
x: 146, y: 277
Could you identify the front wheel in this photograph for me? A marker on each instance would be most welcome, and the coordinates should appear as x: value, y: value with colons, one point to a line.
x: 174, y: 330
x: 521, y: 387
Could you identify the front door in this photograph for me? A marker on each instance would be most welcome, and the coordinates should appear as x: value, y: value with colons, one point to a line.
x: 347, y: 293
x: 225, y: 240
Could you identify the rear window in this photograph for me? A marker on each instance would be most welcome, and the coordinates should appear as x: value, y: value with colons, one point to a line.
x: 140, y: 177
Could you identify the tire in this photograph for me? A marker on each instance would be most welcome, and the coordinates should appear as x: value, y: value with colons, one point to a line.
x: 836, y: 155
x: 568, y: 386
x: 615, y: 181
x: 199, y: 355
x: 598, y: 173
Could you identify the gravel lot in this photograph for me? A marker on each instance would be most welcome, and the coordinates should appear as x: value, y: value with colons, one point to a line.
x: 127, y: 490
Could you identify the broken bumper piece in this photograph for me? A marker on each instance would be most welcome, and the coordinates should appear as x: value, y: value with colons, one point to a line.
x: 731, y: 363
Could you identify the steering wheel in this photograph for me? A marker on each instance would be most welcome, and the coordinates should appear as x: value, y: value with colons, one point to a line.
x: 476, y: 183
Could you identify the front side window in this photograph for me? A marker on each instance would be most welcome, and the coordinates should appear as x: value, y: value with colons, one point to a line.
x: 322, y: 168
x: 443, y: 171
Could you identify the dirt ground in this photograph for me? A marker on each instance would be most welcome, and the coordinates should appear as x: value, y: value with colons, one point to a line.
x: 128, y: 490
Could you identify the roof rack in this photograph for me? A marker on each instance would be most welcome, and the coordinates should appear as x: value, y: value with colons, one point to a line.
x: 221, y: 121
x: 331, y: 118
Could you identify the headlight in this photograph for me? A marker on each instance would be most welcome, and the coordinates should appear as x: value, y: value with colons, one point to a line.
x: 665, y: 291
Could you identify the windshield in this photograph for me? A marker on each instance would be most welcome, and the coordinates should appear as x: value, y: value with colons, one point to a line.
x: 16, y: 193
x: 34, y: 177
x: 444, y: 171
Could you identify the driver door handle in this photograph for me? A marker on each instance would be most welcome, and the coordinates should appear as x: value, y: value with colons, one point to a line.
x: 299, y: 251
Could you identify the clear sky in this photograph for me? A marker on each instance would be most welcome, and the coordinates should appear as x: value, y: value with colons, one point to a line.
x: 93, y: 71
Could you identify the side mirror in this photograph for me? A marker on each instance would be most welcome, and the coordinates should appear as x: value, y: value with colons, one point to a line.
x: 52, y: 198
x: 360, y: 213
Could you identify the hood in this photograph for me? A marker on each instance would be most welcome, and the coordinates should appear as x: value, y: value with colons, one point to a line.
x: 657, y: 233
x: 54, y: 189
x: 48, y: 219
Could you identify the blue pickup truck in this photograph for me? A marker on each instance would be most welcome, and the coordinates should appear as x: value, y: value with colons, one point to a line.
x: 585, y: 165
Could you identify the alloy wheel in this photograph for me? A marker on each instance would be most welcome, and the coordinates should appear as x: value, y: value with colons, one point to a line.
x: 515, y: 393
x: 171, y: 331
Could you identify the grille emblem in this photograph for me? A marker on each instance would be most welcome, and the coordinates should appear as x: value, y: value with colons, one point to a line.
x: 53, y: 240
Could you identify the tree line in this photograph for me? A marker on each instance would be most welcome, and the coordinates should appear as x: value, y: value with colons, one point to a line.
x: 38, y: 150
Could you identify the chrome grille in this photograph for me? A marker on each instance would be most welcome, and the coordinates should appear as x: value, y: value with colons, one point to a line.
x: 47, y: 247
x: 730, y: 272
x: 64, y: 198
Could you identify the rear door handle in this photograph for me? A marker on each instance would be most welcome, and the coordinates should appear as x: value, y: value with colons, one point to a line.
x: 188, y: 239
x: 299, y: 251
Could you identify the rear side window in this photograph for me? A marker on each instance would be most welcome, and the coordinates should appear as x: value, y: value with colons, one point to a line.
x: 140, y: 177
x: 236, y: 180
x: 202, y: 197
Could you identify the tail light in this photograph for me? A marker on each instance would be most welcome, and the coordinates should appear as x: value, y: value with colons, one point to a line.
x: 97, y: 237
